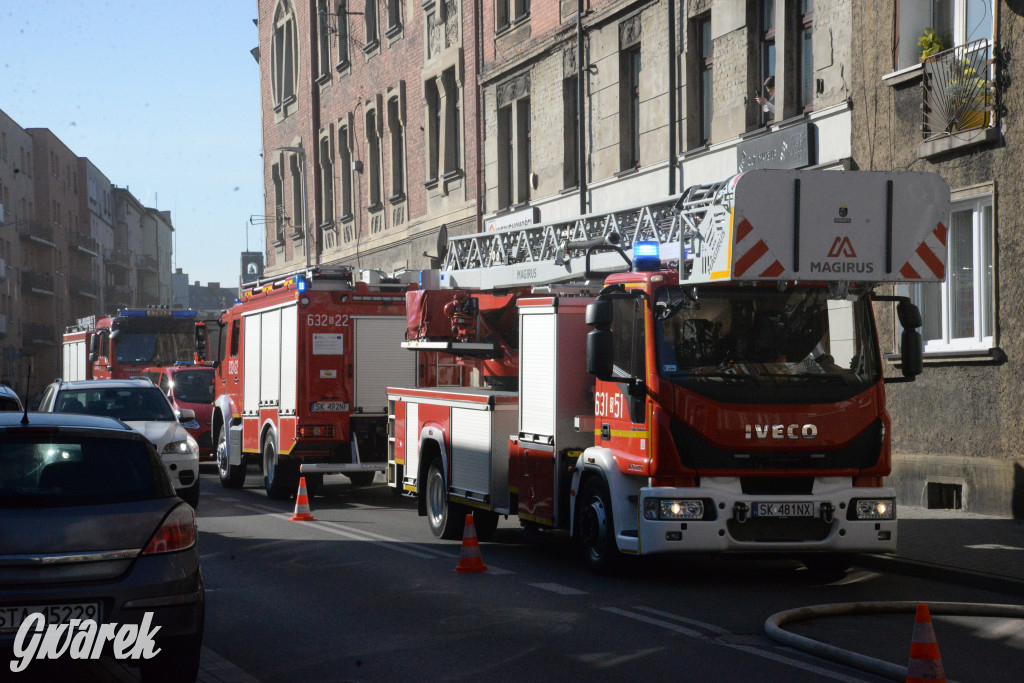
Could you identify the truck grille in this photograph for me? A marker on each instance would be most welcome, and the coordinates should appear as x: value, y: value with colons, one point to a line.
x: 779, y: 530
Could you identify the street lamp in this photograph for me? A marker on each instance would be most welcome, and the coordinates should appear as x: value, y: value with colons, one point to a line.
x: 305, y: 218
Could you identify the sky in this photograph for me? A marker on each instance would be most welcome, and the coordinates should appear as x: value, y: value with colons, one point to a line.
x: 163, y: 97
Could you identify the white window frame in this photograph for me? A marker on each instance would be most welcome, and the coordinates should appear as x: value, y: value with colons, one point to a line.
x: 917, y: 15
x: 983, y: 267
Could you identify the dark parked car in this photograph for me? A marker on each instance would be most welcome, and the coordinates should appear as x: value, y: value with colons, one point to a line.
x: 9, y: 399
x: 90, y: 527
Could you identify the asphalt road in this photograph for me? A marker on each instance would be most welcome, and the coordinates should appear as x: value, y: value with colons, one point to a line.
x: 367, y: 593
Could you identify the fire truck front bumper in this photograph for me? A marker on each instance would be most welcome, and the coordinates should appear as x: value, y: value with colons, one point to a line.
x: 838, y: 518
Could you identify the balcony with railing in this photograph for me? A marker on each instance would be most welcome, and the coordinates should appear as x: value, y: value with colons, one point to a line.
x: 117, y: 296
x: 960, y: 98
x: 117, y: 258
x: 82, y: 287
x: 34, y: 231
x: 35, y: 334
x: 83, y: 244
x: 37, y: 283
x: 147, y: 262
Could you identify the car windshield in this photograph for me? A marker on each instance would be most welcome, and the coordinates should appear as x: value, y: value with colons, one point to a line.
x: 193, y: 386
x: 769, y: 339
x: 65, y: 471
x: 131, y: 404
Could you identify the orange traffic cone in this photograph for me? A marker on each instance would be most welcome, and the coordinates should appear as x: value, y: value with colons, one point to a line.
x: 925, y: 663
x: 302, y: 504
x: 470, y: 560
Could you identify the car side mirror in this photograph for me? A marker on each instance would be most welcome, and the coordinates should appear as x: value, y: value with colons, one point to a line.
x: 911, y: 353
x: 186, y: 415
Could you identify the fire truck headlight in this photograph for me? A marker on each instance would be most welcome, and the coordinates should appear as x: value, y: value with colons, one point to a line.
x: 670, y: 508
x: 304, y: 300
x: 875, y: 509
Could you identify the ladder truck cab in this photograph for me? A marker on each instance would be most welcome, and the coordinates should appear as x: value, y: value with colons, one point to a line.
x: 121, y: 346
x: 722, y: 392
x: 302, y: 366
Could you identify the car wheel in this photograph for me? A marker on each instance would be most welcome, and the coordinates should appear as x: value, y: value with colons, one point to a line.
x: 361, y: 478
x: 231, y: 476
x: 190, y: 495
x: 596, y: 535
x: 178, y: 660
x: 278, y: 479
x: 486, y: 523
x: 447, y: 519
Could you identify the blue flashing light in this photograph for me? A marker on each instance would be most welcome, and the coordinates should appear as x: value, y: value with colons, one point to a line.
x: 646, y: 256
x: 183, y: 314
x: 301, y: 284
x: 124, y: 313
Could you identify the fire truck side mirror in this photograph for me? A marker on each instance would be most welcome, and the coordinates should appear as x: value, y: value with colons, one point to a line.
x: 911, y: 353
x: 599, y: 353
x: 200, y: 342
x: 599, y: 313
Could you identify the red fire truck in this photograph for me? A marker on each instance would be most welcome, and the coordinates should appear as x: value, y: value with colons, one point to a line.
x: 722, y: 392
x: 123, y: 345
x: 302, y: 370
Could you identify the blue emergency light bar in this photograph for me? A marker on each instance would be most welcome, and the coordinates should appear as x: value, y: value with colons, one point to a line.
x: 156, y: 313
x: 300, y: 284
x: 646, y: 256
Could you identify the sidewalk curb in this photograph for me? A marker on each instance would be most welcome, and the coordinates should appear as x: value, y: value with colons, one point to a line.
x: 945, y: 573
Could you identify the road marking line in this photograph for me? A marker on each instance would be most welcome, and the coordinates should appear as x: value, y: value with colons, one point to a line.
x: 692, y: 622
x: 343, y: 533
x: 559, y: 588
x: 371, y: 537
x: 780, y: 659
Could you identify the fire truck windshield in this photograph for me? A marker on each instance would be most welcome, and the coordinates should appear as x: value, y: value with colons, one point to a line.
x: 796, y: 345
x: 154, y: 341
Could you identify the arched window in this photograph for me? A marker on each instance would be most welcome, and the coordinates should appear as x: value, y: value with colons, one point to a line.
x: 284, y: 61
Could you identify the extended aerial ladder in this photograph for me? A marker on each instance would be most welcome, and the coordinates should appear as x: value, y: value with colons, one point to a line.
x: 580, y: 248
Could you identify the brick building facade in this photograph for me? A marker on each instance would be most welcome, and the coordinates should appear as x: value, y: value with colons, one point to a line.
x: 369, y: 118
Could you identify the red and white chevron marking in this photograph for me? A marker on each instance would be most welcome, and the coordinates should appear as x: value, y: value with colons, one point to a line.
x: 752, y: 254
x: 925, y: 258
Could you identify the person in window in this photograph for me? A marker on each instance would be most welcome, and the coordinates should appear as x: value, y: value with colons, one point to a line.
x: 768, y: 103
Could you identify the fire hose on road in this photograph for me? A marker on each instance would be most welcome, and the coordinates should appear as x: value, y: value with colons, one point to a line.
x: 773, y: 627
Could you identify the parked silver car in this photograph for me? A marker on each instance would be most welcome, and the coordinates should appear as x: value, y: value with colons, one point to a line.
x: 140, y: 404
x: 90, y: 528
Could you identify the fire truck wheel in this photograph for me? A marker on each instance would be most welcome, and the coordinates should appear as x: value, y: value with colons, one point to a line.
x: 361, y: 478
x: 597, y: 529
x: 231, y: 476
x: 447, y: 519
x: 279, y: 479
x: 486, y: 523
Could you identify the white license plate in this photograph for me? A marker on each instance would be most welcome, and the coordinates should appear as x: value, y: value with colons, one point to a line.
x: 11, y: 618
x: 329, y: 407
x: 783, y: 510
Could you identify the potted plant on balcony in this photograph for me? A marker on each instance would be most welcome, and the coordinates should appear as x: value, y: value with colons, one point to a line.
x: 968, y: 96
x: 930, y: 44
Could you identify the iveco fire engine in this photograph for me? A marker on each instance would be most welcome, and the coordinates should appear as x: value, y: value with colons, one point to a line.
x: 722, y: 392
x: 302, y: 369
x: 121, y: 346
